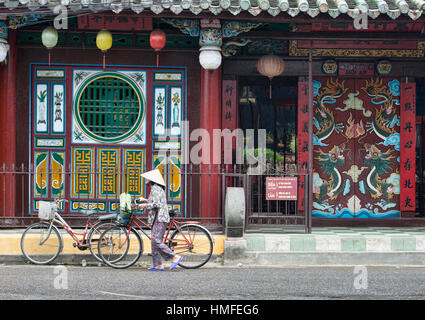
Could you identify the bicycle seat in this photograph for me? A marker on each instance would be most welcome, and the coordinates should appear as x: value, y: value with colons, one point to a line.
x: 172, y: 213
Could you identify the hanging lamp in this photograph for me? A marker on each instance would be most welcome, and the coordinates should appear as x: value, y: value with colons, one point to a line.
x: 270, y: 66
x: 49, y: 38
x: 104, y: 42
x: 157, y: 40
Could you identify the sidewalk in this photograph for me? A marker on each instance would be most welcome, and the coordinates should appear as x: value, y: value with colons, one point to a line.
x: 324, y: 246
x: 339, y: 246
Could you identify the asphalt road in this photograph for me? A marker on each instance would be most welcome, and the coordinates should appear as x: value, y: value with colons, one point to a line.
x: 89, y: 283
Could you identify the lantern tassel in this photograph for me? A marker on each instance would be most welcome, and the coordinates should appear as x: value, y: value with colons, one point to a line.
x: 270, y: 85
x: 104, y: 60
x: 157, y: 59
x: 49, y: 58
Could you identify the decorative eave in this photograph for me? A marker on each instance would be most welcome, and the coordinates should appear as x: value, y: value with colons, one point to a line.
x: 334, y: 8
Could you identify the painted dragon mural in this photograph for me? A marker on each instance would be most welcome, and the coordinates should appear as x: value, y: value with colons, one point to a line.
x: 357, y: 144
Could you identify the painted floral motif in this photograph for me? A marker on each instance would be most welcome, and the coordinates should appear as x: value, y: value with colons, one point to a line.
x: 42, y: 107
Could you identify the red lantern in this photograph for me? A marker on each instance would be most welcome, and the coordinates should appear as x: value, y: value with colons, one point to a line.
x: 157, y: 41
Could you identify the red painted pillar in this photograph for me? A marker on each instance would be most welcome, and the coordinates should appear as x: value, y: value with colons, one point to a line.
x: 8, y: 128
x: 210, y: 120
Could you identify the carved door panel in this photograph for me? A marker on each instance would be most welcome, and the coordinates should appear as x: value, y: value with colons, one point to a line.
x: 333, y: 151
x: 356, y: 148
x: 377, y: 155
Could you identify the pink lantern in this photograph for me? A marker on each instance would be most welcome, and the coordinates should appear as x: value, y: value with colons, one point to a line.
x: 270, y: 66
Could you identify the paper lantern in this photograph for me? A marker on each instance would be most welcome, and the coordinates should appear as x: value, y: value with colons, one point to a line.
x: 270, y: 66
x: 104, y: 42
x: 49, y: 37
x: 157, y: 40
x: 4, y: 48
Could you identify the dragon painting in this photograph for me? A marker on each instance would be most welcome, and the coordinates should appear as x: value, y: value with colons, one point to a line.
x: 383, y: 124
x: 379, y: 163
x: 324, y: 120
x: 329, y: 162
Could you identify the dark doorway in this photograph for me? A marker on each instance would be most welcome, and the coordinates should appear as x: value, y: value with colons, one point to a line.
x: 276, y: 115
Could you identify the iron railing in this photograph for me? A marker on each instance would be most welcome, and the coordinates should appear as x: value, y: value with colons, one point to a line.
x: 203, y: 189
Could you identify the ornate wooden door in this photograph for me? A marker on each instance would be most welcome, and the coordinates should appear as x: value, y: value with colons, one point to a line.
x: 94, y: 131
x: 356, y: 148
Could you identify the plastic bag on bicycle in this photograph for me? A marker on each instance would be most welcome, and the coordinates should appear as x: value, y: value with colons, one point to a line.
x: 125, y: 206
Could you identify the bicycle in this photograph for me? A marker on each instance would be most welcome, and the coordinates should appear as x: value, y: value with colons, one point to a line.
x: 123, y: 245
x: 41, y: 242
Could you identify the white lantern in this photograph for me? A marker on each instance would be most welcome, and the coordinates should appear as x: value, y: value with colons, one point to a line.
x: 210, y: 57
x: 270, y: 66
x: 4, y: 48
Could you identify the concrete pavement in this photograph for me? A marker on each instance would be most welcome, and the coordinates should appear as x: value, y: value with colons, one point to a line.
x: 324, y: 246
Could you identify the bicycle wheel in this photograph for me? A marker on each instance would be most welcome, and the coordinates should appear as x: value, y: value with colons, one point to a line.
x: 119, y: 248
x: 94, y: 236
x: 41, y: 245
x: 193, y: 243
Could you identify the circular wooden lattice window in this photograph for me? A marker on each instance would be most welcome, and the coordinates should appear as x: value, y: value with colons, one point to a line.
x: 109, y: 107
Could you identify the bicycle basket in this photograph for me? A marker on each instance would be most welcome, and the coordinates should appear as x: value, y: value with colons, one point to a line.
x: 46, y: 210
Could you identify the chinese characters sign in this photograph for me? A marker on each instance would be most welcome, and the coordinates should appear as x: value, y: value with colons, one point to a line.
x: 356, y: 69
x: 281, y: 188
x: 229, y: 113
x: 114, y: 22
x: 302, y: 136
x: 407, y: 147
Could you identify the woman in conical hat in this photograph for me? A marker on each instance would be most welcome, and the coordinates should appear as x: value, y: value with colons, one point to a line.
x: 159, y: 218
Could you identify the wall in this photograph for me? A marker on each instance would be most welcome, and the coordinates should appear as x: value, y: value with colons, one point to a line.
x: 92, y: 56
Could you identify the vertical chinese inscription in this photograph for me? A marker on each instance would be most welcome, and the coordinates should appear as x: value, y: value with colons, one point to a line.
x: 407, y: 147
x: 302, y: 148
x: 229, y: 114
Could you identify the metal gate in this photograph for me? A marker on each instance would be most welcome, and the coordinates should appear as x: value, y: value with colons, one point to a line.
x: 270, y: 215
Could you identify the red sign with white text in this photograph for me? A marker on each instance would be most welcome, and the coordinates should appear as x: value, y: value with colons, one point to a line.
x: 303, y: 139
x: 281, y: 188
x: 407, y: 147
x: 356, y: 69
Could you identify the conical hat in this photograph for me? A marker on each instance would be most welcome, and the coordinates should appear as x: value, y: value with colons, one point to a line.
x: 154, y: 176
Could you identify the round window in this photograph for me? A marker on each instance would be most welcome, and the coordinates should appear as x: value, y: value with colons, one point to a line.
x: 109, y: 107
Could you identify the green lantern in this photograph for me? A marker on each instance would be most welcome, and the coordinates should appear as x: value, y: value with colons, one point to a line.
x: 49, y: 38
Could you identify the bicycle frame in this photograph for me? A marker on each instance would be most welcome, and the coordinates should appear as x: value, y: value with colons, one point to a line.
x: 173, y: 223
x: 62, y: 223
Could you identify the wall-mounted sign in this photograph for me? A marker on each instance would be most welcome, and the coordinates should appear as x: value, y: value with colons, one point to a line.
x: 407, y: 146
x: 356, y: 69
x: 330, y: 67
x: 229, y: 118
x: 281, y: 188
x: 383, y: 67
x: 114, y: 22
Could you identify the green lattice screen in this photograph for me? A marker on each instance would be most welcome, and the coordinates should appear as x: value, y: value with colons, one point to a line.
x: 109, y: 107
